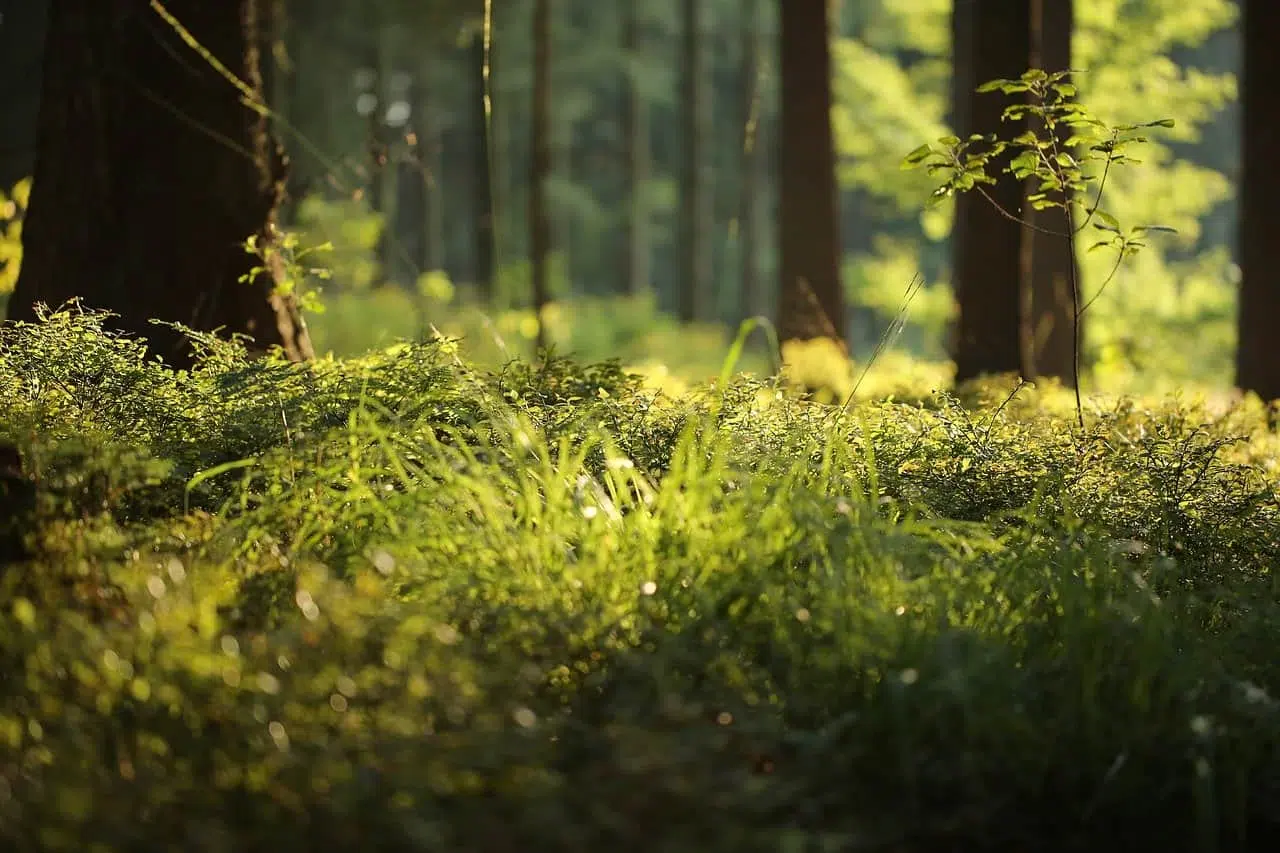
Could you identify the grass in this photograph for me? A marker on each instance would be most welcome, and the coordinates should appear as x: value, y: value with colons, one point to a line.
x: 400, y: 603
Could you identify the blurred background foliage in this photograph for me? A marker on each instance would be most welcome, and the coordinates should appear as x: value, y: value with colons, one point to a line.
x: 397, y: 165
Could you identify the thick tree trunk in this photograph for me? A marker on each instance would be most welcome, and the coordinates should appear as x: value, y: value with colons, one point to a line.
x: 22, y: 32
x: 635, y: 139
x: 540, y: 130
x: 151, y: 173
x: 990, y: 39
x: 811, y: 303
x: 1257, y: 359
x: 695, y: 261
x: 1048, y: 264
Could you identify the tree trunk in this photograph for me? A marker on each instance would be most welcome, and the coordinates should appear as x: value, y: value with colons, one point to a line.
x: 379, y: 148
x: 811, y: 303
x: 540, y: 130
x: 990, y: 40
x: 750, y: 299
x: 22, y: 32
x: 482, y: 154
x: 694, y: 259
x: 1257, y: 360
x: 151, y: 173
x: 635, y: 139
x: 1047, y: 262
x: 411, y: 222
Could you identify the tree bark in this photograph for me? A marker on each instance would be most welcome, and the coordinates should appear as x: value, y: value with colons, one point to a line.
x: 1257, y: 360
x: 150, y: 174
x: 990, y: 39
x: 1047, y: 262
x: 22, y: 32
x: 540, y: 130
x: 811, y: 303
x: 694, y: 258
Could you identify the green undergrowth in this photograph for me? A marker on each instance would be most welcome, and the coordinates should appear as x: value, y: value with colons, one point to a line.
x: 396, y: 603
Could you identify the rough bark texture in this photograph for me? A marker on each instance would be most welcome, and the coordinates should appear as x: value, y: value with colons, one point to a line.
x: 1257, y: 358
x: 695, y: 262
x: 1047, y: 261
x: 811, y: 298
x: 990, y: 39
x: 150, y: 174
x: 539, y: 225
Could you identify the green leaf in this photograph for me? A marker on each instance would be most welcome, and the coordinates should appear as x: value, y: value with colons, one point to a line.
x: 916, y: 157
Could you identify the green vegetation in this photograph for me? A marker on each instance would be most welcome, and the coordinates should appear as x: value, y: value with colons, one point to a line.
x: 399, y: 603
x: 657, y: 588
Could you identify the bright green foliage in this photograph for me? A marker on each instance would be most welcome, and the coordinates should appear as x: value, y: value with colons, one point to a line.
x: 399, y: 604
x: 894, y: 77
x: 12, y: 207
x: 1067, y: 162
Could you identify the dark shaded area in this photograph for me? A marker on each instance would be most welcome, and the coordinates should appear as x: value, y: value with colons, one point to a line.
x: 152, y: 172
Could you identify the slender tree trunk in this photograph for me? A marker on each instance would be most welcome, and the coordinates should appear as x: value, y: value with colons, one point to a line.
x: 539, y: 224
x: 483, y: 154
x: 379, y: 149
x: 281, y: 84
x: 1047, y: 262
x: 410, y: 223
x: 1257, y: 359
x: 635, y: 139
x: 695, y: 261
x: 990, y: 39
x: 811, y: 303
x: 750, y: 297
x: 151, y: 173
x: 426, y: 160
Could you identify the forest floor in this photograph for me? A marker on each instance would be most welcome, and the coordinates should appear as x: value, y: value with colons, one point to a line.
x: 399, y: 603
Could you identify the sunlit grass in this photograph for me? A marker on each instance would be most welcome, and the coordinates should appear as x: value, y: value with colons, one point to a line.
x: 374, y: 603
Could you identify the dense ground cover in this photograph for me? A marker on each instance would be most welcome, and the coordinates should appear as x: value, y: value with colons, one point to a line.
x: 398, y: 603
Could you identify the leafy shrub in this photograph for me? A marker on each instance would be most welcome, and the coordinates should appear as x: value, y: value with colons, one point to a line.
x: 402, y: 603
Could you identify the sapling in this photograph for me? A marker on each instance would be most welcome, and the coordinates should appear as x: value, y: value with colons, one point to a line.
x: 286, y: 260
x: 1065, y: 155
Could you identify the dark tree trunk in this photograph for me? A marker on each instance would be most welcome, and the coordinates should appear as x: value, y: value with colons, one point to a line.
x: 635, y: 139
x: 811, y: 303
x: 540, y: 130
x: 1048, y: 263
x: 411, y: 224
x: 415, y: 179
x: 990, y: 39
x: 695, y: 273
x: 483, y: 178
x: 22, y: 35
x: 151, y: 173
x: 1257, y: 359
